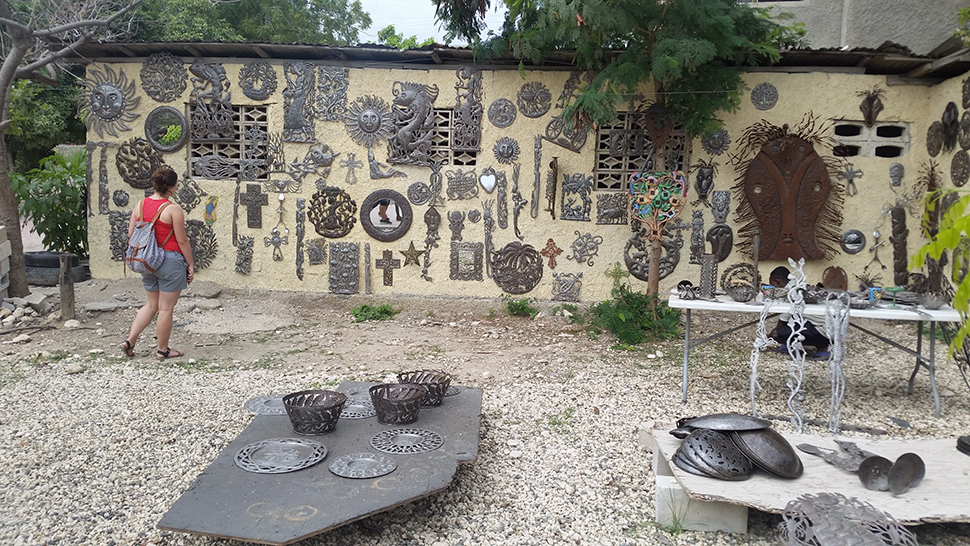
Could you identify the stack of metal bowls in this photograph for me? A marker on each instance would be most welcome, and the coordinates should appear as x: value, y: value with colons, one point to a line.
x: 728, y: 446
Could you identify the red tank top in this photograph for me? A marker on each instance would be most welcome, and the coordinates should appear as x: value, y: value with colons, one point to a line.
x: 149, y: 208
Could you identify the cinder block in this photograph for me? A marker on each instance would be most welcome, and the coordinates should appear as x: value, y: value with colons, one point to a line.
x: 5, y: 250
x: 675, y: 509
x: 3, y: 234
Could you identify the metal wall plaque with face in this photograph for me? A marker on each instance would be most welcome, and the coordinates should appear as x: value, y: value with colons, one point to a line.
x: 257, y: 79
x: 466, y: 261
x: 721, y: 205
x: 517, y: 268
x: 110, y: 101
x: 506, y: 150
x: 456, y: 223
x: 344, y: 268
x: 316, y: 251
x: 718, y: 143
x: 203, y: 241
x: 368, y: 120
x: 501, y: 113
x: 163, y: 77
x: 462, y: 185
x: 332, y: 84
x: 332, y: 212
x: 764, y: 96
x: 136, y: 161
x: 413, y: 111
x: 244, y: 254
x: 534, y: 99
x: 466, y: 134
x: 704, y: 181
x: 612, y: 208
x: 166, y: 129
x: 853, y: 241
x: 298, y: 101
x: 385, y: 215
x: 576, y: 201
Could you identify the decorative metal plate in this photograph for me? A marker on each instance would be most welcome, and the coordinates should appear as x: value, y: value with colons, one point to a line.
x: 960, y: 168
x: 764, y: 96
x: 368, y: 120
x: 111, y: 101
x: 717, y: 143
x: 534, y: 99
x: 267, y: 404
x: 406, y: 441
x: 419, y: 193
x: 934, y: 138
x: 136, y: 161
x: 506, y: 150
x: 358, y: 408
x: 362, y: 465
x: 280, y: 455
x: 501, y: 113
x: 516, y: 268
x: 853, y: 241
x: 163, y: 77
x: 452, y: 391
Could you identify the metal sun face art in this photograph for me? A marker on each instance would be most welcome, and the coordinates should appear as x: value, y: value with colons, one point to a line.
x: 368, y: 120
x: 111, y: 98
x: 656, y: 198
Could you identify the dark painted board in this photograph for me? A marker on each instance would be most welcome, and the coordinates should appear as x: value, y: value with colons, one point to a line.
x: 226, y: 501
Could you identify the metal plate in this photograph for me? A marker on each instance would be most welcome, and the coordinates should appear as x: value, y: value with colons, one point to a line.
x: 268, y: 404
x: 727, y: 421
x: 358, y: 408
x: 907, y: 472
x: 717, y: 451
x: 874, y: 473
x: 960, y: 168
x: 406, y: 441
x: 280, y: 455
x: 934, y: 139
x: 452, y: 390
x: 362, y: 465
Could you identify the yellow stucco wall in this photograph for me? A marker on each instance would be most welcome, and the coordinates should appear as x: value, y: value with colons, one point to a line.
x: 829, y: 96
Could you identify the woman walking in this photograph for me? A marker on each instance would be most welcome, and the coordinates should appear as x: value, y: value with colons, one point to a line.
x: 164, y: 286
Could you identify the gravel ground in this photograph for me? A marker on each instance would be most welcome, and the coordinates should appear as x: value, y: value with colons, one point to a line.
x: 98, y: 457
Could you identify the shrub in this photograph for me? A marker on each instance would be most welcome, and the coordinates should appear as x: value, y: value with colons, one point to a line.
x: 520, y: 308
x: 634, y: 317
x: 369, y: 312
x: 52, y: 197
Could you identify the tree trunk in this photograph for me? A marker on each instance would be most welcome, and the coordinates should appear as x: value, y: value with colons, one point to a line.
x: 10, y: 217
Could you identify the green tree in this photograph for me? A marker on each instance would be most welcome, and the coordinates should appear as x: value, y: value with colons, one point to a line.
x: 388, y: 36
x: 183, y: 20
x: 43, y: 116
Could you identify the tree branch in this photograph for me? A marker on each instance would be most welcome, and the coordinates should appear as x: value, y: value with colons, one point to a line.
x: 28, y: 70
x: 15, y: 24
x: 53, y: 31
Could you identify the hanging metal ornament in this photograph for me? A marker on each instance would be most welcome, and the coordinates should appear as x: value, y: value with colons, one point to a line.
x: 466, y: 261
x: 102, y: 174
x: 244, y: 254
x: 576, y: 187
x: 951, y: 126
x: 474, y: 216
x: 518, y: 202
x: 332, y: 212
x: 254, y: 200
x: 213, y: 167
x: 657, y: 198
x: 456, y: 222
x: 413, y: 111
x: 276, y: 240
x: 552, y: 178
x: 551, y: 251
x: 736, y: 274
x: 960, y: 168
x: 432, y: 219
x: 871, y: 104
x: 501, y: 113
x: 211, y: 103
x: 503, y: 200
x: 388, y: 263
x: 849, y: 175
x: 466, y: 135
x: 963, y: 136
x: 378, y: 170
x: 298, y: 112
x: 332, y: 84
x: 368, y: 121
x: 344, y: 267
x: 209, y: 210
x: 585, y: 247
x: 136, y: 161
x: 517, y: 268
x: 419, y: 193
x: 110, y: 101
x: 506, y: 150
x: 300, y: 233
x: 537, y: 176
x: 764, y: 96
x: 896, y: 172
x: 565, y: 286
x: 718, y: 143
x: 636, y: 253
x: 462, y: 185
x: 257, y: 79
x: 697, y: 237
x: 721, y: 237
x: 163, y: 77
x: 934, y: 139
x: 351, y: 163
x: 120, y: 198
x: 853, y: 241
x: 318, y: 160
x: 487, y: 180
x: 204, y: 243
x: 316, y: 251
x: 118, y: 221
x: 534, y: 100
x: 166, y: 129
x: 488, y: 224
x: 188, y: 195
x: 704, y: 181
x: 612, y: 208
x: 966, y: 93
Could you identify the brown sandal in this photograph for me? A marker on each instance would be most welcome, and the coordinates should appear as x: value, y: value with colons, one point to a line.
x: 169, y: 353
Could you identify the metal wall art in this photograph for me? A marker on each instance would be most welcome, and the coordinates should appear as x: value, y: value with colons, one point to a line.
x: 487, y: 180
x: 474, y: 216
x: 351, y: 163
x: 697, y: 237
x: 298, y: 112
x: 551, y: 251
x: 849, y: 174
x: 466, y: 134
x: 585, y: 247
x: 708, y: 284
x: 853, y: 241
x: 419, y: 193
x: 378, y: 170
x: 501, y: 113
x: 786, y: 189
x: 244, y: 254
x: 657, y: 198
x: 537, y: 176
x: 276, y: 239
x: 966, y: 93
x: 934, y: 139
x: 257, y: 79
x: 368, y: 120
x: 300, y: 234
x: 413, y: 111
x: 488, y: 223
x: 110, y: 102
x: 204, y: 243
x: 764, y: 96
x: 163, y: 77
x: 120, y: 198
x: 188, y: 194
x: 853, y: 521
x: 435, y: 185
x: 636, y: 253
x: 166, y: 129
x: 718, y: 143
x: 332, y: 84
x: 412, y: 256
x: 118, y: 221
x: 209, y: 210
x: 704, y: 181
x: 570, y: 134
x: 136, y: 161
x: 462, y: 185
x: 502, y: 209
x: 318, y: 160
x: 516, y: 268
x: 211, y: 103
x: 896, y: 172
x: 213, y: 167
x: 466, y: 261
x: 102, y: 175
x: 254, y: 200
x: 963, y: 135
x: 367, y: 283
x: 552, y: 177
x: 388, y: 263
x: 721, y: 206
x: 433, y: 221
x: 871, y: 104
x: 576, y: 202
x: 506, y: 150
x: 456, y: 223
x: 951, y: 126
x: 960, y: 168
x: 741, y: 273
x: 332, y: 212
x: 565, y: 286
x: 721, y: 237
x: 900, y: 256
x: 344, y: 267
x: 534, y: 99
x: 385, y: 215
x: 316, y: 251
x: 518, y: 202
x: 612, y: 208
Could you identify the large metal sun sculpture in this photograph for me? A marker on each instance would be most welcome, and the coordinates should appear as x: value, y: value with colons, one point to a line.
x: 368, y: 120
x: 111, y: 99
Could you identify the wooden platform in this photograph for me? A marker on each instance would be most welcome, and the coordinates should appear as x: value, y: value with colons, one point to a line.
x: 943, y: 496
x: 226, y: 501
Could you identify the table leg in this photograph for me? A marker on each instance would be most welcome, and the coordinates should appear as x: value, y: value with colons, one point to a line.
x: 686, y: 351
x: 919, y: 354
x: 932, y: 368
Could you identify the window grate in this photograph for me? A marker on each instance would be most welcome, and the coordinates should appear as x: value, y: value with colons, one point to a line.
x: 883, y: 139
x: 246, y: 150
x: 623, y: 148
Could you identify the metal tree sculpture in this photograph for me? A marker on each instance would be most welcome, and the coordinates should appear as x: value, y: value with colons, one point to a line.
x: 655, y: 199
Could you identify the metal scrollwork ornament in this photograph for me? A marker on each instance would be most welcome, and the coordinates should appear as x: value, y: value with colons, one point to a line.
x: 368, y: 120
x: 462, y: 185
x: 316, y: 251
x: 419, y: 193
x: 332, y: 84
x: 501, y: 113
x: 244, y: 254
x: 585, y: 247
x: 534, y: 99
x: 118, y: 221
x: 344, y: 268
x: 204, y: 243
x: 413, y: 111
x: 934, y: 139
x: 565, y: 286
x: 163, y: 77
x: 432, y: 219
x: 276, y: 240
x: 136, y: 161
x: 963, y: 136
x: 297, y: 102
x: 741, y: 273
x: 188, y: 195
x: 332, y: 212
x: 636, y: 254
x: 764, y: 96
x: 110, y: 102
x: 516, y: 268
x: 456, y: 223
x: 697, y: 237
x: 257, y: 79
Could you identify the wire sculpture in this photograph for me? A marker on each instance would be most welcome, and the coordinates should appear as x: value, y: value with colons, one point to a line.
x: 837, y: 328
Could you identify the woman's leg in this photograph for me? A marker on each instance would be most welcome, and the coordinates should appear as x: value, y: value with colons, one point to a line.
x: 143, y: 318
x: 163, y: 324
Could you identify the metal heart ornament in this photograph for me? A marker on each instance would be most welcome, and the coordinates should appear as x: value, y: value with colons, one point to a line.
x: 656, y: 198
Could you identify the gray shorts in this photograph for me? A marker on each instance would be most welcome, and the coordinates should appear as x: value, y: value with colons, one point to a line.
x: 171, y: 276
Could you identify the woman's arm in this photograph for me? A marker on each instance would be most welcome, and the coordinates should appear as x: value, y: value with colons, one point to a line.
x: 178, y: 228
x: 134, y: 218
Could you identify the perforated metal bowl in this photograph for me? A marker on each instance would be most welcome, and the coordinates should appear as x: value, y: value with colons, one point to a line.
x: 434, y: 381
x: 770, y: 451
x: 315, y: 411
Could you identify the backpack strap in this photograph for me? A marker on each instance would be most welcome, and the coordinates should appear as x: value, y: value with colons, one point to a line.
x: 155, y: 219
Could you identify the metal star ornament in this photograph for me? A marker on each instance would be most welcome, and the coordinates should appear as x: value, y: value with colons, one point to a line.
x: 411, y: 255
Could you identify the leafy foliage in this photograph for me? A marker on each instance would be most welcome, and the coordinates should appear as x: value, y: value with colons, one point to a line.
x: 521, y: 307
x: 41, y: 117
x: 963, y: 29
x: 389, y: 37
x: 635, y: 317
x: 369, y: 312
x: 52, y: 197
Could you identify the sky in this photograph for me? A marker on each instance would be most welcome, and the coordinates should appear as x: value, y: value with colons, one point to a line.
x: 414, y: 18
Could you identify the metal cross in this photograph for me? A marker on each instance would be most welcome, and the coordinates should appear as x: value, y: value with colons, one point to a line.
x: 388, y: 264
x: 551, y: 251
x: 352, y: 163
x: 617, y: 273
x: 254, y: 199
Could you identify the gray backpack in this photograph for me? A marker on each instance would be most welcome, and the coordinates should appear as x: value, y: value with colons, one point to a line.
x: 144, y: 255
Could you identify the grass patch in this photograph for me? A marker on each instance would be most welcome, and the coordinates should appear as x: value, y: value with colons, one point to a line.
x: 10, y: 373
x: 423, y: 351
x: 369, y: 312
x: 563, y: 421
x: 328, y: 384
x: 521, y: 307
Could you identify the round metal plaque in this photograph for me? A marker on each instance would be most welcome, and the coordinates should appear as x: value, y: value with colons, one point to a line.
x: 406, y: 441
x: 452, y: 390
x: 280, y: 455
x: 268, y: 404
x: 764, y: 96
x: 362, y: 465
x: 853, y: 241
x: 934, y: 139
x: 960, y: 168
x: 358, y: 408
x: 501, y: 113
x: 419, y: 193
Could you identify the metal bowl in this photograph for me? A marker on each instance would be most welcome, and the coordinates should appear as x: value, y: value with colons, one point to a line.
x: 741, y: 292
x: 725, y: 422
x: 907, y: 472
x: 716, y: 451
x: 770, y: 451
x: 933, y: 301
x: 434, y: 381
x: 874, y: 473
x: 314, y: 412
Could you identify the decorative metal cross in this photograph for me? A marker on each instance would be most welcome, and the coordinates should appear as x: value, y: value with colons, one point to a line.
x: 351, y: 163
x: 388, y: 264
x: 618, y: 273
x: 254, y: 199
x: 551, y: 251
